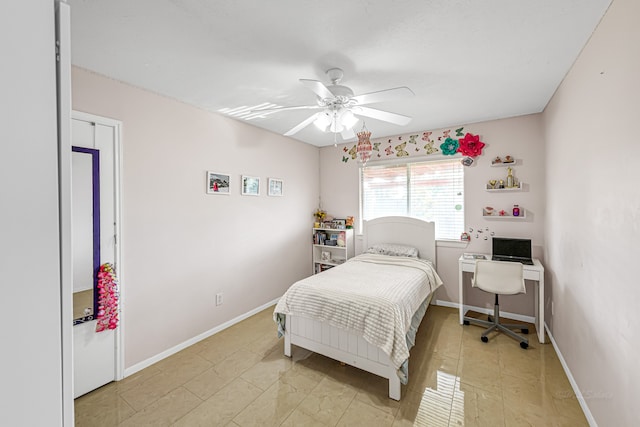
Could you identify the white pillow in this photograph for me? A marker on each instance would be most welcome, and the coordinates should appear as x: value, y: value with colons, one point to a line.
x: 393, y: 249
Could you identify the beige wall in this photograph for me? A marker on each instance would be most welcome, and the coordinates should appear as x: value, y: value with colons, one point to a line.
x: 593, y: 217
x: 520, y: 137
x: 182, y: 246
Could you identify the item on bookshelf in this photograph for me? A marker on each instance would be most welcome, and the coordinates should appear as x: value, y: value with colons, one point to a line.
x: 342, y: 239
x: 331, y: 242
x: 316, y: 225
x: 349, y: 222
x: 339, y: 224
x: 325, y: 256
x: 320, y: 215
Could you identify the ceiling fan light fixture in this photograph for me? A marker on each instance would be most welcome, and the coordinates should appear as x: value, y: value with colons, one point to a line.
x: 348, y: 120
x: 364, y: 148
x: 322, y: 121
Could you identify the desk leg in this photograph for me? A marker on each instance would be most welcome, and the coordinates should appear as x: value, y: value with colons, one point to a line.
x: 540, y: 309
x: 461, y: 292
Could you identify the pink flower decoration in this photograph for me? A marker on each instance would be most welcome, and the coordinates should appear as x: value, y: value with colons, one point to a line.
x: 107, y: 317
x: 470, y: 145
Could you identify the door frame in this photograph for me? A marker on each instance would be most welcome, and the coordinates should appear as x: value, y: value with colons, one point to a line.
x: 117, y: 156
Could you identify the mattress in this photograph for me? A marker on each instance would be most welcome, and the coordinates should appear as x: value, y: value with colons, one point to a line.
x: 373, y: 295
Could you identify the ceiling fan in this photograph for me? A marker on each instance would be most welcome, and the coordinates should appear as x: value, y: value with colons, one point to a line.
x: 339, y: 106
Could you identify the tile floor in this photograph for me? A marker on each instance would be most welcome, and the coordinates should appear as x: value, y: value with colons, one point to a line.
x: 240, y: 377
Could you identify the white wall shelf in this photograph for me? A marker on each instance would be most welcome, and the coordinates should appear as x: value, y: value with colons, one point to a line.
x: 523, y: 215
x: 506, y: 189
x: 503, y: 164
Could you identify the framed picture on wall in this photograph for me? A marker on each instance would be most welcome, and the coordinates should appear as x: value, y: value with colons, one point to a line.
x: 275, y: 187
x: 218, y: 183
x: 250, y: 185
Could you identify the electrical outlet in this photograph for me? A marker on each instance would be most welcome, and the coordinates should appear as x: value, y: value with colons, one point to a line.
x: 219, y: 299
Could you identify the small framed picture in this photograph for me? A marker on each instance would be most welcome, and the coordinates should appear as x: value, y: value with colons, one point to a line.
x: 325, y: 256
x: 340, y: 224
x: 218, y: 183
x: 275, y: 187
x: 250, y: 185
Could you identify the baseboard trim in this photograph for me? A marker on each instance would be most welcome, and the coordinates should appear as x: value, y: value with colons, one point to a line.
x: 488, y: 311
x: 173, y: 350
x: 572, y: 381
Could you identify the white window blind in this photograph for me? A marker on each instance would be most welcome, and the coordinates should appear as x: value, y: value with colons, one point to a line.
x: 432, y: 191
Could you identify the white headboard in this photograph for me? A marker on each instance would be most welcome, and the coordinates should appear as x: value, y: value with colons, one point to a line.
x: 402, y: 230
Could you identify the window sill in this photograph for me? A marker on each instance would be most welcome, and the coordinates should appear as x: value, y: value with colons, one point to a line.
x: 451, y: 244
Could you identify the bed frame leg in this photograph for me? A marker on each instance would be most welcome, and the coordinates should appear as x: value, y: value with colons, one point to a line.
x: 394, y: 387
x: 287, y: 337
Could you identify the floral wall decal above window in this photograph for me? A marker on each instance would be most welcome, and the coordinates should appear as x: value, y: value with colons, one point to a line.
x: 449, y: 147
x: 470, y: 145
x: 437, y: 143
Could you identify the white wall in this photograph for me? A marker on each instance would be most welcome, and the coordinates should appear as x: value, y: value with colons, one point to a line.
x: 182, y: 246
x: 593, y: 217
x: 520, y: 137
x: 31, y: 376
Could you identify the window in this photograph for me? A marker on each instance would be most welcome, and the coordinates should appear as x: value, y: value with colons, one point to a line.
x: 431, y: 190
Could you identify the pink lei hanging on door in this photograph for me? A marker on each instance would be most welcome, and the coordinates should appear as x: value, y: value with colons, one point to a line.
x: 107, y: 298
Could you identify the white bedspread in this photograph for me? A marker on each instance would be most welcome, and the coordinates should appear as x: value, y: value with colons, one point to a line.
x: 375, y: 295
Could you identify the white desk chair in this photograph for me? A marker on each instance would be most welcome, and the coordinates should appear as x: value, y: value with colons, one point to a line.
x: 499, y: 278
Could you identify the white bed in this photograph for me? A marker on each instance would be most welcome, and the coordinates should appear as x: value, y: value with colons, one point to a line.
x: 349, y: 345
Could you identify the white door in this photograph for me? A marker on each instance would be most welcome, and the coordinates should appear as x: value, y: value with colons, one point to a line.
x: 96, y: 355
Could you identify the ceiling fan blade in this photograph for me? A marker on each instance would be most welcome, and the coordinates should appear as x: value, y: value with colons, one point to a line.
x: 385, y: 116
x: 318, y: 88
x: 302, y: 125
x: 383, y: 95
x: 252, y: 114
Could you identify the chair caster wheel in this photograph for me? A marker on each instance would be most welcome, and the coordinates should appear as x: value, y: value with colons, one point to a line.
x: 484, y: 339
x: 525, y: 331
x: 465, y: 322
x: 524, y: 345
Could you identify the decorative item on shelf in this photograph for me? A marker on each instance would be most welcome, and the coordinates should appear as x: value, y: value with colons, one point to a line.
x: 502, y: 212
x: 320, y: 215
x: 501, y: 184
x: 508, y: 159
x: 349, y: 222
x: 492, y: 183
x: 510, y: 178
x: 496, y: 161
x: 516, y: 210
x: 465, y: 237
x: 488, y: 211
x: 325, y: 256
x: 364, y: 148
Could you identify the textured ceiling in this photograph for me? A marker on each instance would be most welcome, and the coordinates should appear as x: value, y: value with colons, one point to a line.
x: 465, y: 60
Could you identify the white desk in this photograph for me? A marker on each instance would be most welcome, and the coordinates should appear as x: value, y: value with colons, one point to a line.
x: 533, y: 272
